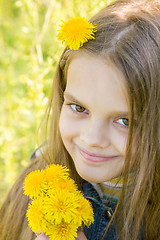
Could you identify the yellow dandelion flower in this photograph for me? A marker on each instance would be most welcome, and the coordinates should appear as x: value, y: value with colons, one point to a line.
x: 75, y: 32
x: 36, y: 220
x: 67, y: 184
x: 55, y: 172
x: 62, y: 231
x: 32, y: 183
x: 60, y: 207
x: 85, y: 210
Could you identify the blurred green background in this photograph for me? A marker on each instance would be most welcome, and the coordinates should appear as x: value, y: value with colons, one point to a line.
x: 29, y: 52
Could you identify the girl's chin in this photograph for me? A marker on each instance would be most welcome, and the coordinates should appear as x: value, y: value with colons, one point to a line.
x: 89, y: 177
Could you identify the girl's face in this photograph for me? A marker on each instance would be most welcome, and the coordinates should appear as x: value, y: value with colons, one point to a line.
x: 94, y: 118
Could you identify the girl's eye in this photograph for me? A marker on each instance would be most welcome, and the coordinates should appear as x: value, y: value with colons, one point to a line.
x: 123, y: 121
x: 78, y: 108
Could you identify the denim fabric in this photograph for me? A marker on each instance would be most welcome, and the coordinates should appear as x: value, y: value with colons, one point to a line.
x: 102, y: 215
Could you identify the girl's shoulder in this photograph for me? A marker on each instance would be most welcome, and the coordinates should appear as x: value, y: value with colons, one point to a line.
x: 102, y: 213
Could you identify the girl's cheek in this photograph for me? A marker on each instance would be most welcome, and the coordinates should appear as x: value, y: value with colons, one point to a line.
x: 69, y: 123
x: 119, y: 140
x: 68, y: 127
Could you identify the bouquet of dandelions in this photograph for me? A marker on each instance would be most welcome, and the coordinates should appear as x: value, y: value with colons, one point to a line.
x: 57, y: 207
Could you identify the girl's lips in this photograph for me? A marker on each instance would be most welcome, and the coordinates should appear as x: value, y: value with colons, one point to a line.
x: 95, y: 157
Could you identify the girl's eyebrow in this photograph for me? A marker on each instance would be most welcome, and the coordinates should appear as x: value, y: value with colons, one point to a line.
x: 72, y: 98
x: 125, y: 114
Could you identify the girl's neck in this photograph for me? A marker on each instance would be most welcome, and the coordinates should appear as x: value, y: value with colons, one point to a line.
x: 114, y: 183
x: 111, y: 189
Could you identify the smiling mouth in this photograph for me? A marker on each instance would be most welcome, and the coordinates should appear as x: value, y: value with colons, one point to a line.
x: 91, y: 157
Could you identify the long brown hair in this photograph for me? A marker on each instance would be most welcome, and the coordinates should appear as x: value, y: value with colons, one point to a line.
x: 128, y: 32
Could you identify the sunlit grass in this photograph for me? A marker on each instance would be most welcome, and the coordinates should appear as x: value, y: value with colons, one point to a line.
x: 28, y: 58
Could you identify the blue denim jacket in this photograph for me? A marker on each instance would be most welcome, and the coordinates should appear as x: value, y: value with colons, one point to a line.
x: 102, y: 215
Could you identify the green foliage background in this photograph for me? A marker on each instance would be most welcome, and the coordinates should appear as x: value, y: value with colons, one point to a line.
x: 29, y: 52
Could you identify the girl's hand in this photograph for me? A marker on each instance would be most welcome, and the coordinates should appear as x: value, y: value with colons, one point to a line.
x: 80, y: 236
x: 42, y: 237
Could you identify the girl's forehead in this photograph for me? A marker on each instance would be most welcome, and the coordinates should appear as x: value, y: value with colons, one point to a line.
x: 97, y: 67
x: 96, y: 80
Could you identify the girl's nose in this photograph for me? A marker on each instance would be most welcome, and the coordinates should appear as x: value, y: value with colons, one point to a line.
x: 95, y: 134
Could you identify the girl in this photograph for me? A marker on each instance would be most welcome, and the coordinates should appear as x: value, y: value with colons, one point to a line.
x: 106, y: 129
